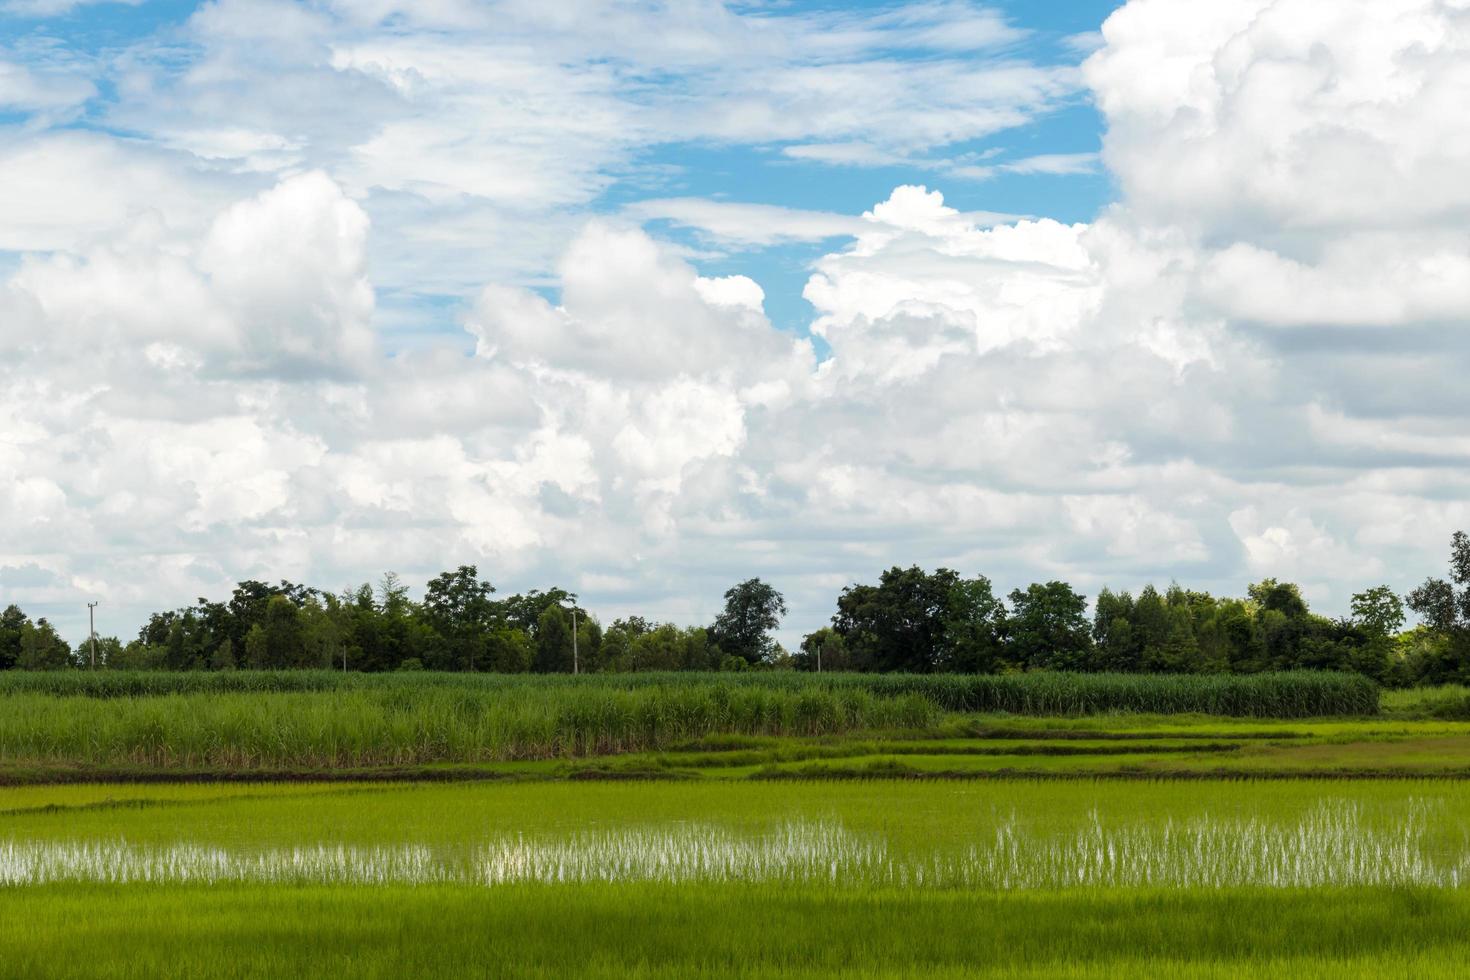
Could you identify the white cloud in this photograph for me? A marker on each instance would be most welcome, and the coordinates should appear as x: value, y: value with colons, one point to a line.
x: 62, y: 190
x: 1269, y: 117
x: 24, y: 89
x: 276, y: 286
x: 505, y: 120
x: 53, y: 8
x: 736, y: 223
x: 1045, y: 163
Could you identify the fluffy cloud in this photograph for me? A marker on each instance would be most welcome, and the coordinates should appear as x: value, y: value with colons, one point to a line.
x: 276, y: 286
x: 1273, y: 117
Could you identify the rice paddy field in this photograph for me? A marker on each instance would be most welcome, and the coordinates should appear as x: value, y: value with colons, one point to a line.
x: 270, y: 825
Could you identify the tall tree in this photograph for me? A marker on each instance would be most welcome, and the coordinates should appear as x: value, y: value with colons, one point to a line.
x: 41, y: 648
x: 1283, y: 597
x: 898, y: 624
x: 458, y: 607
x: 974, y: 629
x: 12, y: 621
x: 554, y: 641
x: 1444, y: 606
x: 752, y: 610
x: 524, y: 610
x: 285, y: 644
x: 1112, y: 632
x: 823, y: 650
x: 257, y: 657
x: 1379, y: 610
x: 1049, y: 628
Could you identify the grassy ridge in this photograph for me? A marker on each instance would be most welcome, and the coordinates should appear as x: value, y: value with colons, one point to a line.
x: 1300, y: 694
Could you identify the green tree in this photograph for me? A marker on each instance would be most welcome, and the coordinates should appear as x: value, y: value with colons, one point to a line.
x: 322, y: 633
x: 1378, y: 616
x: 41, y: 648
x: 974, y: 629
x: 1151, y: 627
x: 1115, y: 647
x: 1180, y: 653
x: 524, y: 609
x: 615, y: 653
x: 108, y: 649
x: 137, y: 655
x: 661, y: 648
x: 752, y: 610
x: 257, y: 654
x: 1049, y: 628
x: 458, y: 607
x: 553, y: 641
x: 285, y: 644
x: 1444, y: 607
x: 223, y: 657
x: 823, y: 649
x: 898, y: 624
x: 509, y: 650
x: 403, y: 637
x: 1379, y: 610
x: 12, y: 623
x: 1283, y: 597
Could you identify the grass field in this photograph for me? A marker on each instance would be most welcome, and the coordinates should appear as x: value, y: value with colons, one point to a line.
x: 1005, y: 878
x: 667, y: 826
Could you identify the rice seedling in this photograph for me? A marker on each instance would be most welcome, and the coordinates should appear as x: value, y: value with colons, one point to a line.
x: 1332, y: 845
x: 715, y: 880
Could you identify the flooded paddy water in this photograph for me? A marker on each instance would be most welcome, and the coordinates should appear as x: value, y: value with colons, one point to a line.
x: 1408, y: 840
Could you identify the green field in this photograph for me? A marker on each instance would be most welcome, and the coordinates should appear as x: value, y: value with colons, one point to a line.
x: 889, y: 878
x: 754, y: 826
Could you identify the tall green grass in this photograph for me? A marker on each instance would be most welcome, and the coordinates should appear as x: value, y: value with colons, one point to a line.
x: 310, y: 720
x: 1449, y: 702
x: 1300, y: 694
x: 398, y: 724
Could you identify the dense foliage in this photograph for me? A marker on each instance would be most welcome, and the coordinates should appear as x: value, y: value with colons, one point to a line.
x: 910, y: 621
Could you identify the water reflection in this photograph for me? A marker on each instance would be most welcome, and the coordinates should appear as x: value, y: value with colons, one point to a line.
x: 1332, y: 845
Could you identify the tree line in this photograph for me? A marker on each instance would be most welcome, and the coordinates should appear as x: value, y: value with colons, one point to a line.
x: 911, y: 620
x: 460, y: 625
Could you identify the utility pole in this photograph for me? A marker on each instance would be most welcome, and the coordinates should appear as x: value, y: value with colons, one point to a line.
x: 92, y: 630
x: 574, y: 640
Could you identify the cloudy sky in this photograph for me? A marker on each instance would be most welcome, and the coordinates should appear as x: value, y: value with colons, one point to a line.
x: 644, y: 298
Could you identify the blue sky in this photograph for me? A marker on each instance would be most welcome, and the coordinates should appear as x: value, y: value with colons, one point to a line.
x: 642, y: 298
x: 729, y: 170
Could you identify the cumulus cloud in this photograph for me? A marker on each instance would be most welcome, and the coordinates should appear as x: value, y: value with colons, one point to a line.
x: 1266, y: 118
x: 276, y: 286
